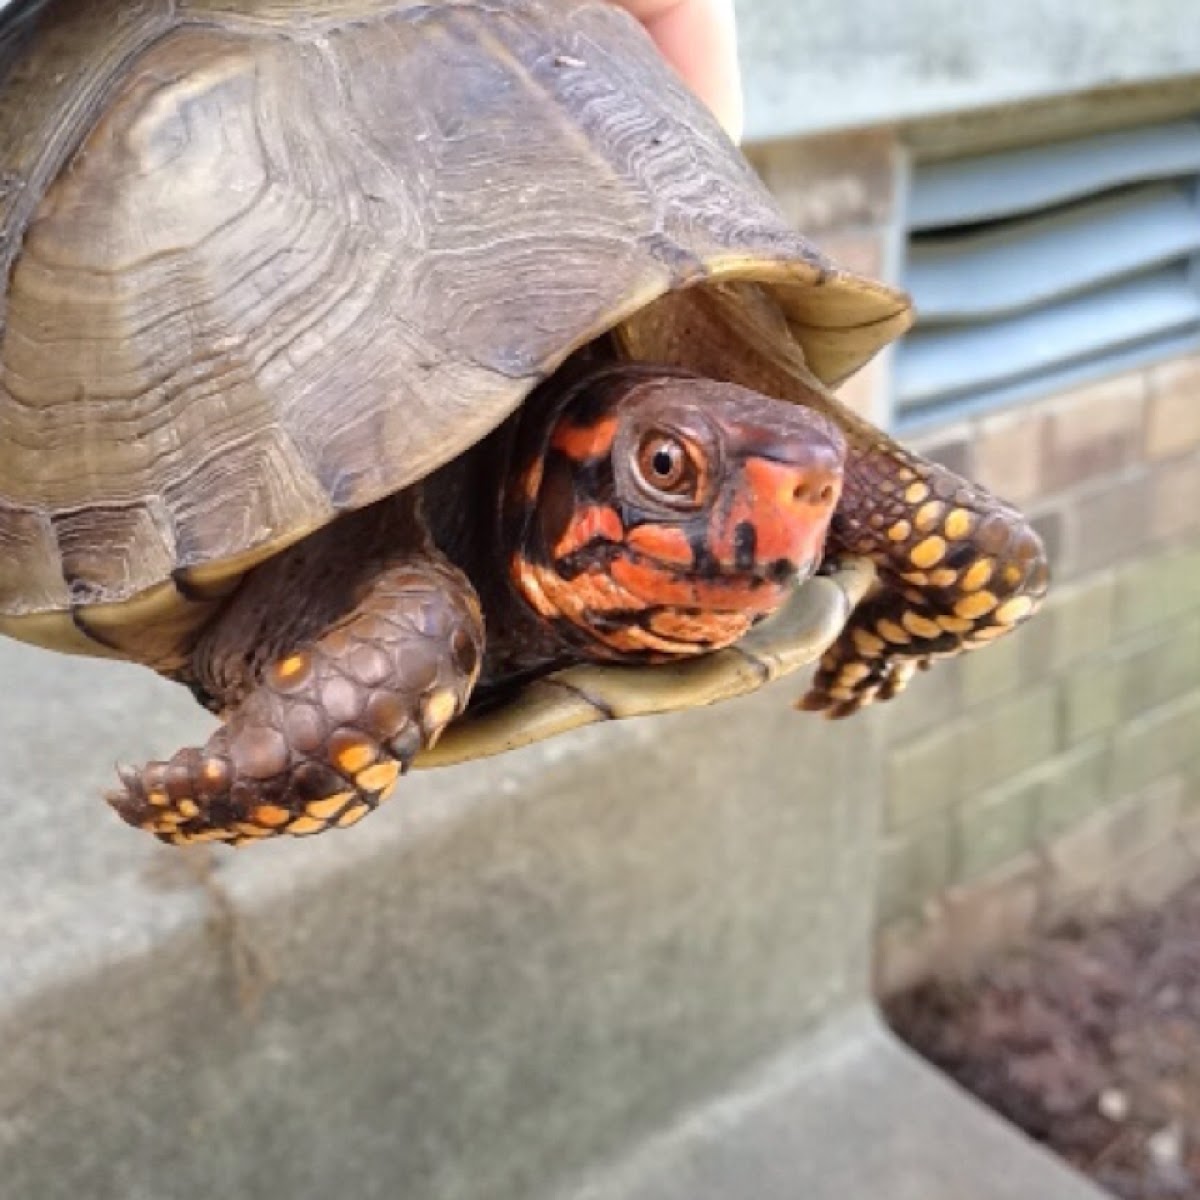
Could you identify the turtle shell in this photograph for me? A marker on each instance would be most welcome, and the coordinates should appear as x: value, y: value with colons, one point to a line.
x: 268, y: 261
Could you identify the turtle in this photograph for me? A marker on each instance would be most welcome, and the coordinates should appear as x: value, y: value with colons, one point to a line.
x: 365, y: 363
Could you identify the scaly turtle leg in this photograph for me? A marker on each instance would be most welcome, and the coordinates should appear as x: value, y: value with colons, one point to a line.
x: 958, y: 567
x: 323, y: 709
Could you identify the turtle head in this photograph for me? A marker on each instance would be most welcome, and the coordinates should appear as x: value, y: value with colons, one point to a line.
x: 664, y: 514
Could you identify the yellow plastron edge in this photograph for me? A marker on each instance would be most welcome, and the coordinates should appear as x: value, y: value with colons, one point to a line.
x: 584, y: 695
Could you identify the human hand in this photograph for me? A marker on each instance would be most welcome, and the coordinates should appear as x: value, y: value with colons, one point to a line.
x: 699, y: 39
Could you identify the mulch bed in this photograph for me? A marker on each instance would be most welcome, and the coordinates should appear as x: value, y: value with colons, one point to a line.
x: 1089, y: 1039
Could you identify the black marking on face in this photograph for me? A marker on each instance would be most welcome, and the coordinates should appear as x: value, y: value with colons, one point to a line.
x: 615, y: 620
x: 745, y: 543
x: 586, y: 558
x: 781, y: 570
x: 619, y: 620
x: 704, y: 562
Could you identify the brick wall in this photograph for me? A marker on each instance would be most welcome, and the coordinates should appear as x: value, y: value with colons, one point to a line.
x: 1061, y: 766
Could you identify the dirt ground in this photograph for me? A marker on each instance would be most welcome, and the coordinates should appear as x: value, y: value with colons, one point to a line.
x: 1089, y: 1039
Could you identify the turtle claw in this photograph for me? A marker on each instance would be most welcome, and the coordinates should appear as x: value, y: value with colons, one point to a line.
x: 329, y: 728
x: 129, y: 800
x: 848, y: 682
x: 130, y: 784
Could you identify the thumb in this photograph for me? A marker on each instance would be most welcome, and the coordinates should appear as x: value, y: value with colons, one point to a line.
x: 699, y: 39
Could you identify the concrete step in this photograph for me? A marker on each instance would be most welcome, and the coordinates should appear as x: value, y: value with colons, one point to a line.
x: 513, y: 976
x: 848, y: 1112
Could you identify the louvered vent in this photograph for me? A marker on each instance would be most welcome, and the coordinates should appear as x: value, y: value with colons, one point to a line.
x: 1036, y: 269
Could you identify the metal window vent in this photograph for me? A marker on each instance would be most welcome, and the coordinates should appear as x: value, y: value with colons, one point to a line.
x: 1036, y: 269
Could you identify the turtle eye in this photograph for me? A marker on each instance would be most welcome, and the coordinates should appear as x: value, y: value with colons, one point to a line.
x: 665, y: 465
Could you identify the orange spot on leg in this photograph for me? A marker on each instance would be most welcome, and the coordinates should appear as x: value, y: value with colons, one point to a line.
x: 1012, y: 611
x: 919, y: 625
x: 440, y: 709
x: 304, y: 825
x: 352, y: 754
x: 251, y: 831
x: 290, y: 669
x: 379, y: 778
x: 977, y: 575
x: 976, y: 605
x: 324, y: 810
x: 928, y: 553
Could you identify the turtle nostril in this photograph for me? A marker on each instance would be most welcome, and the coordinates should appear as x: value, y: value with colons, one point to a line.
x: 803, y: 494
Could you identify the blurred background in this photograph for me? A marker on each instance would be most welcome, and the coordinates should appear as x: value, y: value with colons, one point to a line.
x: 1031, y: 173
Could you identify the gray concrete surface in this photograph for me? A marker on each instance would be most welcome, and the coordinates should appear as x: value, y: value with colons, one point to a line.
x: 811, y: 66
x: 848, y: 1113
x: 515, y: 975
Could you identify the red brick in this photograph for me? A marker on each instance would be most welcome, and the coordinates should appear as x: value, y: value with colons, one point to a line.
x: 1173, y: 417
x: 914, y: 866
x: 1093, y: 432
x: 1077, y: 622
x: 1056, y: 524
x: 950, y: 445
x: 1111, y: 521
x: 924, y: 776
x: 1008, y: 453
x: 1159, y: 870
x: 1175, y: 496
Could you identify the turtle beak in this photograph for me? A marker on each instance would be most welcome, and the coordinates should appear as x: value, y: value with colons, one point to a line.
x: 781, y: 498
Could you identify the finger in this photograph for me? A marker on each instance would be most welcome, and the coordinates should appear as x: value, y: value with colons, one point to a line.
x: 699, y: 39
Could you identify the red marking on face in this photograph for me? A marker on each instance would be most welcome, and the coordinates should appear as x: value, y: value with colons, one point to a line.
x: 581, y: 442
x: 789, y: 508
x: 593, y: 523
x: 666, y: 543
x: 705, y: 502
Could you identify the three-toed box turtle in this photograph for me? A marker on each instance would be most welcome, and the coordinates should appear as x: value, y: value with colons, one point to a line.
x: 336, y: 333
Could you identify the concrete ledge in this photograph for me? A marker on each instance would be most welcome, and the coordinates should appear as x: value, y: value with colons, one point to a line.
x: 511, y: 977
x: 850, y: 1113
x: 515, y: 971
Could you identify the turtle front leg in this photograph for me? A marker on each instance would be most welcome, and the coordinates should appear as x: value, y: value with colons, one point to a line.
x: 320, y: 734
x: 958, y: 569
